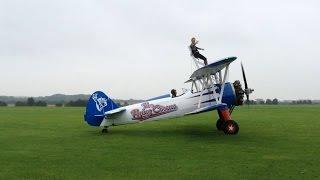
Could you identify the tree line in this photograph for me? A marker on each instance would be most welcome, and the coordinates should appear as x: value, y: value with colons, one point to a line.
x: 302, y: 102
x: 82, y: 103
x: 274, y: 101
x: 3, y: 103
x: 31, y: 102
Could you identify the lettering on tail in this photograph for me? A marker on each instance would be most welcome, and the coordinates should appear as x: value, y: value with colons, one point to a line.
x: 100, y: 101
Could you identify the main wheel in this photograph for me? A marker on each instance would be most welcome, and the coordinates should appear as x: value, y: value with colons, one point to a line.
x: 231, y: 127
x: 105, y: 130
x: 220, y: 124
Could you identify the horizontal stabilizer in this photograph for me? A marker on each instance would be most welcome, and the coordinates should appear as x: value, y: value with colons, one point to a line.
x: 99, y: 115
x: 207, y: 108
x: 114, y: 112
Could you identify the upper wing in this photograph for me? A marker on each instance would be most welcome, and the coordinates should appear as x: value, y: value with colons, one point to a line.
x: 207, y: 108
x: 211, y: 69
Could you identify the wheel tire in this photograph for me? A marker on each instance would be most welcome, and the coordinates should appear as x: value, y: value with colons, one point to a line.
x: 231, y: 127
x: 104, y: 131
x: 220, y: 124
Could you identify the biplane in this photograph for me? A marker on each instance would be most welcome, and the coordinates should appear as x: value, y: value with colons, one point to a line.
x: 209, y: 91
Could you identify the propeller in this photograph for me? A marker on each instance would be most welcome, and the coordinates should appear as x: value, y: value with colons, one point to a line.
x: 247, y: 90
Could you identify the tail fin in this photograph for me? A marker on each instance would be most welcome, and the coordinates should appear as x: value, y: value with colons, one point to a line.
x: 97, y: 105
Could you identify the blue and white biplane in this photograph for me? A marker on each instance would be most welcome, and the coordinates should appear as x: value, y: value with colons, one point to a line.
x: 210, y: 90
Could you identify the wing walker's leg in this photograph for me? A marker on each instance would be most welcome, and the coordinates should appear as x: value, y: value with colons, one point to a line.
x: 225, y: 123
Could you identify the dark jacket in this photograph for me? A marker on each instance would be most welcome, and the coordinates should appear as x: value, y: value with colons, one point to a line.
x: 194, y: 49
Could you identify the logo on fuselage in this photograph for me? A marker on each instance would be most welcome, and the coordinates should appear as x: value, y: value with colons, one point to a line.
x: 152, y: 110
x: 100, y: 102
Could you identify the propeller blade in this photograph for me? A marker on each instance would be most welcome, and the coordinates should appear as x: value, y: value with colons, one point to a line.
x: 247, y: 90
x: 244, y: 79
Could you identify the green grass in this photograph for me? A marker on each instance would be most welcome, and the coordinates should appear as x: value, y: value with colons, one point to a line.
x: 274, y: 142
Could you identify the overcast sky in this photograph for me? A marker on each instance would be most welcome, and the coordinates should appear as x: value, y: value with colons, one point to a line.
x: 138, y: 49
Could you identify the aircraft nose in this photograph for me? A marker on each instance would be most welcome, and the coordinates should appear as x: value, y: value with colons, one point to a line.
x: 239, y: 93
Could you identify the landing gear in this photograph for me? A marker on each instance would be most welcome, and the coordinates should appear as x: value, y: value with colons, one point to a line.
x: 104, y: 130
x: 225, y: 124
x: 228, y: 127
x: 220, y: 124
x: 231, y: 127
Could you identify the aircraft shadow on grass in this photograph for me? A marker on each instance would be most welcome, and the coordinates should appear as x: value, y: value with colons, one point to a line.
x: 199, y: 132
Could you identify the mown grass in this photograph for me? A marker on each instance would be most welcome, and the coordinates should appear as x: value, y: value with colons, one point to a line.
x: 274, y: 142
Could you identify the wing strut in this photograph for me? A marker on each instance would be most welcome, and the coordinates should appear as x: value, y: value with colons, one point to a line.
x: 226, y: 72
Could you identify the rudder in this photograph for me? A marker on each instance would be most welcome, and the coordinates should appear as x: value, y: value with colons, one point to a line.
x: 97, y: 105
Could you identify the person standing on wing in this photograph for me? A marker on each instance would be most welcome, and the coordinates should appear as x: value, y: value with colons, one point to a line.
x: 195, y: 52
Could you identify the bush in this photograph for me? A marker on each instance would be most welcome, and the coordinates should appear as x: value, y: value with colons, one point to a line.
x: 3, y: 103
x: 20, y: 103
x: 302, y: 102
x: 77, y: 103
x: 59, y: 104
x: 275, y: 101
x: 40, y: 103
x: 268, y: 101
x: 31, y: 102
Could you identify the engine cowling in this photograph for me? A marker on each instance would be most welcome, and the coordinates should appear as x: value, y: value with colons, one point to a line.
x: 239, y: 93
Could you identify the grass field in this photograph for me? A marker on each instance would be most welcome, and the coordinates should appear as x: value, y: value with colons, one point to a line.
x: 274, y: 142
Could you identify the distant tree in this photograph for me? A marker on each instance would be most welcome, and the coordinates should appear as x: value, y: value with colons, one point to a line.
x: 246, y: 102
x: 260, y: 101
x: 77, y: 103
x: 59, y: 104
x: 275, y: 101
x: 3, y: 103
x: 268, y: 101
x: 252, y: 102
x: 30, y: 102
x: 20, y: 103
x: 40, y: 103
x: 302, y: 102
